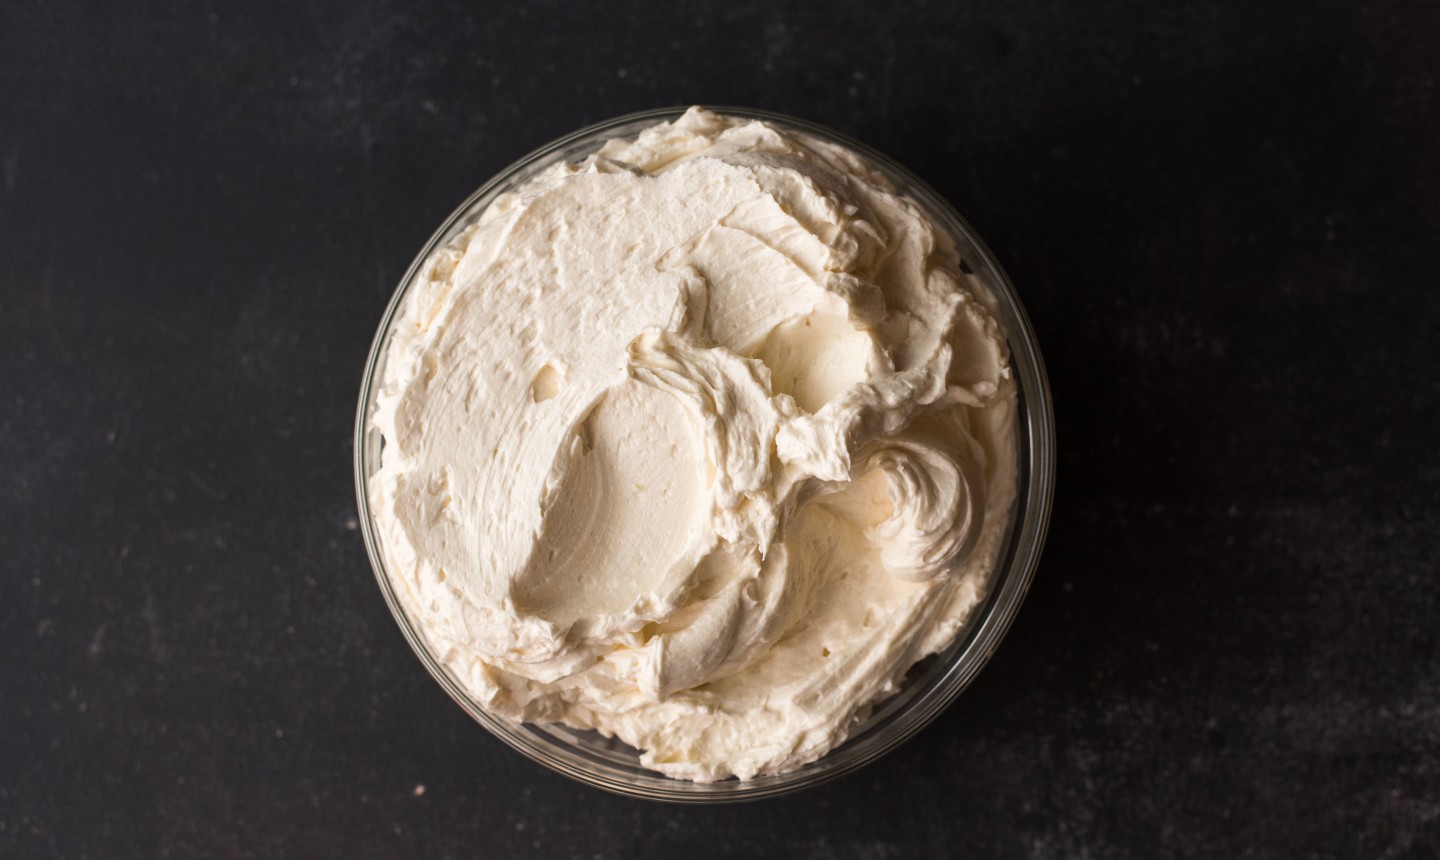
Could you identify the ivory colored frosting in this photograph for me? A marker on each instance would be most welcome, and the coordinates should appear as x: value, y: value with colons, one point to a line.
x: 701, y: 442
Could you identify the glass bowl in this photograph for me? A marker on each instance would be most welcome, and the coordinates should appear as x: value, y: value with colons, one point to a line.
x: 932, y: 684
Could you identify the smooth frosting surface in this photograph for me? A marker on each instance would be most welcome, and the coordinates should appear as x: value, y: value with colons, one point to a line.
x: 701, y: 442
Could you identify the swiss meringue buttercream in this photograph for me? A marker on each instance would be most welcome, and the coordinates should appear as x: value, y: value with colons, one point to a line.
x: 701, y: 442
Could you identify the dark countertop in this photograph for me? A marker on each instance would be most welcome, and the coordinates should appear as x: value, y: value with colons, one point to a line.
x: 1223, y: 218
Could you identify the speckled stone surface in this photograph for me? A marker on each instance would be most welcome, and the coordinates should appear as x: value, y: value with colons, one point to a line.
x: 1223, y: 217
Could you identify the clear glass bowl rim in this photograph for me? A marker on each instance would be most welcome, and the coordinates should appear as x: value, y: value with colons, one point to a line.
x: 896, y: 719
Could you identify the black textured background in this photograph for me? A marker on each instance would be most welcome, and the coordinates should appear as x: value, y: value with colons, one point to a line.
x: 1224, y: 220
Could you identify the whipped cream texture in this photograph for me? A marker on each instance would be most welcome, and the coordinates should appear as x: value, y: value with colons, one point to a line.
x: 701, y: 442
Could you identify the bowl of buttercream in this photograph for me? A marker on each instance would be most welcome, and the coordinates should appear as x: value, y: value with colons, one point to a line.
x: 704, y: 454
